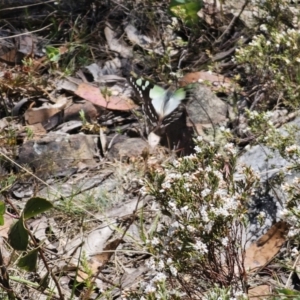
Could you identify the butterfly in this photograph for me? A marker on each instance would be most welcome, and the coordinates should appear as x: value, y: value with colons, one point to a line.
x: 161, y: 106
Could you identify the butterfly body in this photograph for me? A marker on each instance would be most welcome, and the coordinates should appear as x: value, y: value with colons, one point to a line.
x: 161, y: 106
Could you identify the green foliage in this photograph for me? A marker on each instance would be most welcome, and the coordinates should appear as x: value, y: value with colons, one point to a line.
x: 186, y: 10
x: 35, y: 206
x: 290, y: 294
x: 18, y: 235
x: 53, y: 54
x: 28, y: 261
x: 2, y: 212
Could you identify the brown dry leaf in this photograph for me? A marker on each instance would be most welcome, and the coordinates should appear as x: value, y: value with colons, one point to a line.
x: 259, y: 291
x: 8, y: 221
x: 11, y: 56
x: 99, y: 260
x: 266, y: 247
x: 43, y: 114
x: 94, y: 95
x: 217, y: 81
x: 37, y: 131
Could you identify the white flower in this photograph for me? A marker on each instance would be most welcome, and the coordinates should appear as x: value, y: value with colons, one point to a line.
x: 159, y: 277
x: 197, y: 149
x: 143, y: 191
x: 166, y: 185
x: 169, y: 261
x: 208, y: 226
x: 184, y: 209
x: 205, y: 192
x: 173, y: 206
x: 187, y: 186
x: 176, y: 163
x: 155, y: 241
x: 173, y: 271
x: 191, y: 228
x: 208, y: 169
x: 150, y: 263
x: 160, y: 265
x: 201, y: 247
x: 229, y: 147
x: 263, y: 28
x: 294, y: 252
x: 292, y: 148
x: 150, y: 289
x: 224, y: 241
x: 204, y: 215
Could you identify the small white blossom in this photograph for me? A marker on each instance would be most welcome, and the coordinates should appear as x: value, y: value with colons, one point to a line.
x: 184, y: 209
x: 173, y: 271
x: 187, y: 186
x: 160, y: 265
x: 176, y: 163
x: 283, y: 213
x: 150, y: 263
x: 229, y: 147
x: 143, y: 191
x: 191, y: 228
x: 159, y: 277
x: 201, y: 247
x: 173, y: 206
x: 224, y: 241
x: 294, y: 252
x: 197, y: 149
x: 263, y: 28
x: 204, y: 215
x: 166, y: 185
x: 150, y: 289
x: 155, y: 241
x: 205, y: 192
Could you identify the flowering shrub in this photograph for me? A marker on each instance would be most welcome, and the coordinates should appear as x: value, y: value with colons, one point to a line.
x: 273, y: 60
x: 198, y: 244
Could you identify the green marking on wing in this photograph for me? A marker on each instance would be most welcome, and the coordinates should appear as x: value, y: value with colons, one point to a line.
x: 158, y: 97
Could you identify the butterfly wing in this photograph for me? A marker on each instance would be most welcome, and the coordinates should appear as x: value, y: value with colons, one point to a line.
x: 159, y: 97
x: 173, y: 101
x: 152, y: 97
x: 161, y: 106
x: 173, y: 109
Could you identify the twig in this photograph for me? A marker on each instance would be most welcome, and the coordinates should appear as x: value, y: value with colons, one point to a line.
x: 25, y: 6
x: 25, y: 33
x: 230, y: 26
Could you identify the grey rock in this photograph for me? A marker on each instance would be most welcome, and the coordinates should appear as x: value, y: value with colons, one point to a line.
x: 58, y: 154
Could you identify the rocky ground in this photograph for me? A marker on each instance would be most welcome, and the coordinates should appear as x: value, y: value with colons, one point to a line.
x: 73, y: 133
